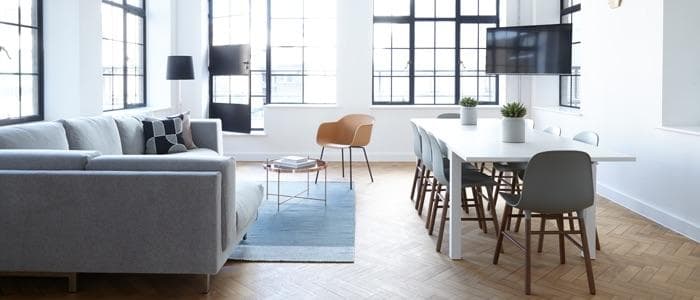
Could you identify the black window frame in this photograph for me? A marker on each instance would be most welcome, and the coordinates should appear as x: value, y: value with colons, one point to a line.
x: 569, y: 101
x: 141, y: 13
x: 40, y: 67
x: 459, y: 20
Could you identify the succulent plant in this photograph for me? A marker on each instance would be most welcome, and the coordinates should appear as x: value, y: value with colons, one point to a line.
x: 513, y: 110
x: 468, y: 102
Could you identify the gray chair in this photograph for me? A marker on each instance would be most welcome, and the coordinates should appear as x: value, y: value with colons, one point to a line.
x: 555, y: 183
x: 426, y: 181
x: 419, y: 159
x: 472, y: 179
x: 448, y: 116
x: 553, y: 130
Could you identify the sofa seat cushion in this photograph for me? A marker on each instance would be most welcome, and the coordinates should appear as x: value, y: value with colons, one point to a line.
x: 41, y: 135
x: 197, y: 152
x: 131, y: 134
x: 93, y: 133
x: 249, y: 196
x: 45, y: 159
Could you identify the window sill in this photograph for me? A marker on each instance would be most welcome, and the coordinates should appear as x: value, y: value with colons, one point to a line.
x: 426, y: 106
x: 301, y: 106
x: 252, y: 133
x: 689, y: 130
x: 560, y: 110
x: 136, y: 111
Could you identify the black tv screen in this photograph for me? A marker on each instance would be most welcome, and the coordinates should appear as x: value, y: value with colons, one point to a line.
x: 540, y: 49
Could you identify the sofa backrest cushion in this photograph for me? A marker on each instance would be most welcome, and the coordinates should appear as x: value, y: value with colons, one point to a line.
x: 225, y: 165
x: 131, y: 134
x: 41, y: 135
x: 93, y: 133
x: 45, y: 159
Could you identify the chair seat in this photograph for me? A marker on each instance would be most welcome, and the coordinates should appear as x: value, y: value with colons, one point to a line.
x: 510, y: 166
x: 472, y: 177
x: 511, y: 199
x: 334, y: 145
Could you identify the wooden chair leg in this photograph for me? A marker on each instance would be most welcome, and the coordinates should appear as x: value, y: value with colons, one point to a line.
x: 431, y: 203
x: 560, y: 228
x: 499, y: 244
x: 492, y: 209
x: 540, y: 242
x: 597, y: 240
x: 443, y: 219
x: 423, y: 186
x: 433, y: 215
x: 480, y: 207
x: 342, y: 161
x: 528, y: 256
x: 586, y: 255
x: 415, y: 179
x: 371, y: 178
x: 321, y: 158
x: 517, y: 220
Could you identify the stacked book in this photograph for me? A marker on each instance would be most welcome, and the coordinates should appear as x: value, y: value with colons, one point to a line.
x: 294, y: 162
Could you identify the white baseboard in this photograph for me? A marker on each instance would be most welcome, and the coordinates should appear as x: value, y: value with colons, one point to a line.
x: 675, y: 223
x: 330, y: 155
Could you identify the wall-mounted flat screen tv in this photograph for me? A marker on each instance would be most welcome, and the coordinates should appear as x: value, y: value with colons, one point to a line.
x: 540, y: 49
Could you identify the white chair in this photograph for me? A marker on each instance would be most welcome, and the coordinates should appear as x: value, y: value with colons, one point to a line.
x: 553, y: 130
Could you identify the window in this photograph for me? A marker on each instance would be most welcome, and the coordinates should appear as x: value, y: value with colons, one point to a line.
x: 432, y: 51
x: 21, y: 61
x: 123, y: 54
x: 570, y: 85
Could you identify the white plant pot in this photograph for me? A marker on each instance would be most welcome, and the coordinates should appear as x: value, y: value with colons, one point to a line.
x: 467, y: 115
x: 513, y: 130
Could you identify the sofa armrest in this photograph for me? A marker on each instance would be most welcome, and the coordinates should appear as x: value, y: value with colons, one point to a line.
x: 110, y: 221
x: 207, y: 133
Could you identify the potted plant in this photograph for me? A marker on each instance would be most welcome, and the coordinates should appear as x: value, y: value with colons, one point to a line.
x: 467, y: 111
x: 513, y: 122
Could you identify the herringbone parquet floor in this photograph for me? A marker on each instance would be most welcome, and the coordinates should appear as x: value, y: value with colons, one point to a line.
x: 395, y: 258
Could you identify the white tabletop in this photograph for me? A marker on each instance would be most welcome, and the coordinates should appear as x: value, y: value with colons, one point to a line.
x: 482, y: 142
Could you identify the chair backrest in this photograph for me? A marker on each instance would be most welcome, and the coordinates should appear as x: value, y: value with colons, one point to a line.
x: 588, y: 137
x: 553, y: 130
x: 448, y: 116
x: 426, y: 151
x: 438, y: 161
x: 557, y: 181
x: 416, y: 141
x: 356, y: 128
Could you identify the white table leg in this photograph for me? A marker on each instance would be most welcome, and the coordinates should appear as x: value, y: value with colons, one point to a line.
x: 589, y: 218
x: 455, y: 228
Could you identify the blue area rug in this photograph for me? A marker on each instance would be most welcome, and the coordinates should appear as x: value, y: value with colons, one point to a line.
x: 303, y: 230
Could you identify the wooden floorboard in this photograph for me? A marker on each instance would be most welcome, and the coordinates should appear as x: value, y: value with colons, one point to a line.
x: 396, y: 258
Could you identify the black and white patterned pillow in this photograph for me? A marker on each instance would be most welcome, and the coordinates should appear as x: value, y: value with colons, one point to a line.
x: 163, y: 136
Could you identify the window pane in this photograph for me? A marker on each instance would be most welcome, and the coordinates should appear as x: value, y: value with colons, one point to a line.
x: 286, y: 60
x: 425, y: 34
x: 113, y: 92
x: 565, y: 90
x: 468, y: 35
x: 469, y: 7
x: 424, y: 61
x: 29, y: 50
x: 382, y: 35
x: 137, y: 3
x: 28, y: 12
x: 134, y: 29
x: 9, y: 96
x: 487, y: 89
x: 315, y: 9
x: 382, y: 89
x: 319, y: 61
x: 400, y: 62
x: 286, y: 89
x: 112, y: 22
x: 286, y: 9
x: 399, y: 89
x: 257, y: 84
x: 444, y: 62
x: 468, y: 64
x: 257, y: 113
x: 319, y: 33
x: 445, y: 8
x: 9, y: 62
x: 134, y: 59
x: 30, y: 95
x: 424, y: 90
x: 382, y: 62
x: 425, y: 8
x: 487, y: 7
x: 391, y: 7
x: 287, y: 32
x: 482, y: 34
x: 319, y: 89
x: 134, y: 90
x: 444, y: 90
x: 468, y: 87
x: 444, y: 34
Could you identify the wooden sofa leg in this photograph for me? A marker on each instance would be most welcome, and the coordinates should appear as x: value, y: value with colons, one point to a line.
x: 205, y: 280
x: 72, y: 282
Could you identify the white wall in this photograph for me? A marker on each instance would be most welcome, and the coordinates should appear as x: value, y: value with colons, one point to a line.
x: 623, y: 88
x: 292, y: 129
x: 73, y: 57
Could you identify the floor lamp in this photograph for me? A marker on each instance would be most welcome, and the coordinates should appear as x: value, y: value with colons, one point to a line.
x: 180, y: 68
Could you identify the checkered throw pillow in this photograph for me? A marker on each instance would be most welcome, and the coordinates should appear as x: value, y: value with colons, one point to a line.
x: 163, y: 136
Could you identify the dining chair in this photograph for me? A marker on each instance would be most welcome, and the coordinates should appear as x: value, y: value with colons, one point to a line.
x: 419, y: 160
x: 553, y: 130
x: 351, y: 131
x: 426, y: 181
x: 554, y: 183
x: 448, y: 116
x: 591, y: 138
x: 471, y: 179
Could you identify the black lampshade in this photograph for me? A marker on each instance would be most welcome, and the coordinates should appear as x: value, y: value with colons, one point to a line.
x: 180, y: 68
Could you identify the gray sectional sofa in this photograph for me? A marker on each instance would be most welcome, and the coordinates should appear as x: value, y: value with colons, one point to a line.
x: 79, y: 196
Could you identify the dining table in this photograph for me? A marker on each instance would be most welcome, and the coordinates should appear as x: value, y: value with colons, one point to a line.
x: 483, y: 143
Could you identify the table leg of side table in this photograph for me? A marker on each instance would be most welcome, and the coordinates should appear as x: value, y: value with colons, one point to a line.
x: 325, y: 187
x: 278, y: 191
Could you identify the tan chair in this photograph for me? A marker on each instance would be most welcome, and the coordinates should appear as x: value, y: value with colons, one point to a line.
x: 351, y: 131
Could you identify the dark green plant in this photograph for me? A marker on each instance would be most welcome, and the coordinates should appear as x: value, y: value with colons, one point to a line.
x: 468, y: 102
x: 513, y: 110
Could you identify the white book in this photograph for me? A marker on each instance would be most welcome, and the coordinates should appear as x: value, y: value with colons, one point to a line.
x: 306, y: 163
x: 294, y: 159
